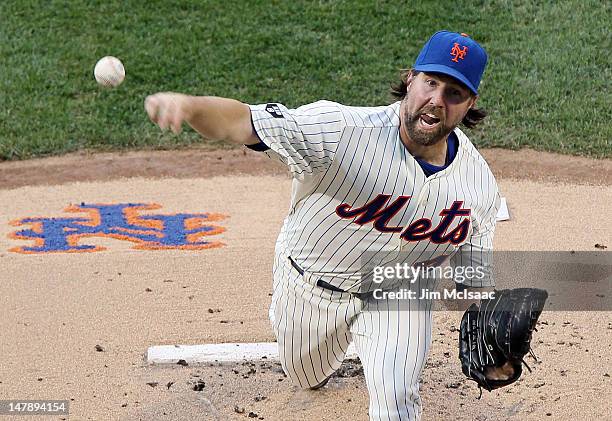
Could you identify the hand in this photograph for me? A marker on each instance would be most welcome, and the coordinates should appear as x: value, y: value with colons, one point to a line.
x: 504, y: 372
x: 168, y: 109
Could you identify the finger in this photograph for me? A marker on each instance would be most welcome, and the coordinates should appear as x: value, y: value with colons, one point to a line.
x: 151, y: 107
x: 164, y: 110
x: 171, y: 115
x: 162, y: 116
x: 176, y: 121
x: 176, y: 127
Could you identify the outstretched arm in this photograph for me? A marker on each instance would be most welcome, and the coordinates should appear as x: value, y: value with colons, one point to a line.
x: 213, y: 117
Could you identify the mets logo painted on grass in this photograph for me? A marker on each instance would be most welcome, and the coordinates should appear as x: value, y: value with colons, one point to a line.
x: 123, y: 221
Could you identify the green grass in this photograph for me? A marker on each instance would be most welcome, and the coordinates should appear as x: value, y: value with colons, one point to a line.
x: 545, y: 88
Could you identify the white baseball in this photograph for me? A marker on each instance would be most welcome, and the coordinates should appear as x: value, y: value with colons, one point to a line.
x: 109, y: 71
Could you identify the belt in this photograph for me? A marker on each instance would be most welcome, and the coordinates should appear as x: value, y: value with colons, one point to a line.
x: 320, y: 283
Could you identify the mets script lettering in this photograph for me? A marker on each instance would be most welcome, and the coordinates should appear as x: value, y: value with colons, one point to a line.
x: 122, y: 221
x: 458, y: 53
x: 376, y: 212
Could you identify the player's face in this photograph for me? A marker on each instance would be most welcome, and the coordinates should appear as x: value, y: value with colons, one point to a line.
x: 433, y: 106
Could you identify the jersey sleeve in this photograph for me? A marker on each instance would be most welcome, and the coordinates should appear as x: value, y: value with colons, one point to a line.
x: 305, y: 139
x: 477, y: 252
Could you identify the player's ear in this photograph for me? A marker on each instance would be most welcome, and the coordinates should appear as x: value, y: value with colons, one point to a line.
x: 474, y: 101
x: 409, y: 78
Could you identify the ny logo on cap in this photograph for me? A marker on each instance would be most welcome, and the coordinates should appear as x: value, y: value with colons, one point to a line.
x: 458, y: 53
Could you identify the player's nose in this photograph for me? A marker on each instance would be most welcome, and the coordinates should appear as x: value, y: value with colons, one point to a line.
x: 437, y: 98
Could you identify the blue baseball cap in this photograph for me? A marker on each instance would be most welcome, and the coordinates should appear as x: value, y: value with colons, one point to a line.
x: 456, y: 55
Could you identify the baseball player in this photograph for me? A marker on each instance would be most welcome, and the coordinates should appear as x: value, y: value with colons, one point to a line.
x: 371, y: 185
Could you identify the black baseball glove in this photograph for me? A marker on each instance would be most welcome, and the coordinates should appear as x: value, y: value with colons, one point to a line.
x: 497, y: 334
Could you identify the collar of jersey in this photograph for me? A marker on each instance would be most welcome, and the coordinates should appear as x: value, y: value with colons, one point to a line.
x: 452, y: 147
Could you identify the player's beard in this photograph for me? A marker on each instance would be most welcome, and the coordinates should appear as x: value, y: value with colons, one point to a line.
x: 429, y: 137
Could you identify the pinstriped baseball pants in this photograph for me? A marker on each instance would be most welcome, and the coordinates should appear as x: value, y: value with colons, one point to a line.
x: 314, y: 327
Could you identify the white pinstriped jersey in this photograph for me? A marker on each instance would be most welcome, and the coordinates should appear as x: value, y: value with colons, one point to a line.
x: 359, y: 196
